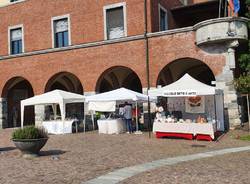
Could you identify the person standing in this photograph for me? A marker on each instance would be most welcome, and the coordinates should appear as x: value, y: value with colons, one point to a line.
x: 128, y: 117
x: 14, y: 116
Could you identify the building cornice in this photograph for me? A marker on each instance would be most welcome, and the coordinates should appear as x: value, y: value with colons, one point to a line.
x: 72, y: 47
x: 96, y: 44
x: 170, y: 32
x: 125, y: 39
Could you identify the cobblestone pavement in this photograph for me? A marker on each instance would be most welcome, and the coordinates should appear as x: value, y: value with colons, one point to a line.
x: 227, y: 169
x: 80, y: 157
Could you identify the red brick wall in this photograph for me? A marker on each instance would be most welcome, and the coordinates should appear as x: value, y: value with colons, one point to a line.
x: 165, y: 49
x: 87, y: 26
x: 86, y: 20
x: 89, y: 63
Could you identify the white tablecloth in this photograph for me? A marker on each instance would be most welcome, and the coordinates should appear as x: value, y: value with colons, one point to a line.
x: 111, y: 126
x: 189, y: 128
x: 58, y: 126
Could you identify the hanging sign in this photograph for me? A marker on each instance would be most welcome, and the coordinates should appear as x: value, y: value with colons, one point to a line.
x: 179, y: 93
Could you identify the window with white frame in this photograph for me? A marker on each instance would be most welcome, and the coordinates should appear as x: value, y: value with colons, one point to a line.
x: 61, y: 32
x: 16, y: 40
x: 163, y: 19
x: 115, y: 17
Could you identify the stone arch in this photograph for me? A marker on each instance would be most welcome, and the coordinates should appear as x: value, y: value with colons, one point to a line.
x: 15, y: 90
x: 177, y: 68
x: 68, y: 82
x: 65, y: 81
x: 116, y: 77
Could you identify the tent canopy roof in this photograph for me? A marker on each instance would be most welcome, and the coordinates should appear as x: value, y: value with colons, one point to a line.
x: 185, y: 86
x: 53, y: 97
x: 121, y: 94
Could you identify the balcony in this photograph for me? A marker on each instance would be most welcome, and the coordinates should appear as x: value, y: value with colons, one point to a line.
x: 221, y: 29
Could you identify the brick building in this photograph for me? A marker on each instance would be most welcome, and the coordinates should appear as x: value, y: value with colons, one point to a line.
x: 87, y: 46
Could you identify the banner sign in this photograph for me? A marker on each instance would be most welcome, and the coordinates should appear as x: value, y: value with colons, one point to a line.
x: 179, y: 93
x: 195, y: 104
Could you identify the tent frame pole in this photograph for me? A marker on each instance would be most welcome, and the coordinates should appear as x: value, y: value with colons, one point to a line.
x: 149, y: 119
x: 22, y: 116
x: 54, y: 107
x: 215, y: 112
x: 93, y: 121
x: 136, y: 116
x: 84, y: 123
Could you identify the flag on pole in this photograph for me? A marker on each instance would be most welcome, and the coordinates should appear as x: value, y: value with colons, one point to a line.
x: 231, y: 4
x: 233, y: 7
x: 236, y: 6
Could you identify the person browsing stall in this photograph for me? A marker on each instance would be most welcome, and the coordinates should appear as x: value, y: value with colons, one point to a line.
x: 128, y: 117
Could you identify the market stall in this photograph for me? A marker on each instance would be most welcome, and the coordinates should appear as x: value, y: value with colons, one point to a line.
x: 106, y: 102
x: 111, y: 126
x: 194, y: 110
x: 54, y: 98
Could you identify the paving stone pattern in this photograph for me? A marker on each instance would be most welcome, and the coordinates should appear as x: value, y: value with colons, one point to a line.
x: 122, y: 174
x: 77, y: 158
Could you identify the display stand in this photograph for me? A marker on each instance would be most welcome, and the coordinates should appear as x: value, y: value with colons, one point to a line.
x: 201, y: 131
x: 189, y: 87
x: 106, y: 102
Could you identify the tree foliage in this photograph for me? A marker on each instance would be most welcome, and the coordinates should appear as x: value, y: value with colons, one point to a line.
x: 242, y: 84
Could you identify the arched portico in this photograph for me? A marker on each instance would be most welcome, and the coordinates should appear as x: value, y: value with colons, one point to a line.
x: 116, y: 77
x: 64, y: 81
x: 176, y: 69
x: 15, y: 90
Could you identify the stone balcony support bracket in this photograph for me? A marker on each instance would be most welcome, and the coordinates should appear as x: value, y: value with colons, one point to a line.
x: 231, y: 53
x: 221, y: 30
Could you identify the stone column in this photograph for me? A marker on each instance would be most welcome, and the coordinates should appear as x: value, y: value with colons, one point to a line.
x: 3, y: 113
x: 225, y: 81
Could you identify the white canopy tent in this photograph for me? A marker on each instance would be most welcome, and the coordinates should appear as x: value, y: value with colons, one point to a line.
x: 106, y: 102
x: 185, y: 86
x: 121, y: 94
x: 188, y: 86
x: 52, y: 98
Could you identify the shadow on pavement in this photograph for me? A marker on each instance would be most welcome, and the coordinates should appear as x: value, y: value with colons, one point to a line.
x: 7, y: 149
x: 198, y: 145
x: 51, y: 152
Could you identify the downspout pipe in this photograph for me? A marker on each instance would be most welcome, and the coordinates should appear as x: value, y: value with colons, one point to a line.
x: 147, y: 62
x: 146, y: 43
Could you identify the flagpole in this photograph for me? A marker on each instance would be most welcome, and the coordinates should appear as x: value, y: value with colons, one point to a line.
x: 225, y: 8
x: 220, y: 8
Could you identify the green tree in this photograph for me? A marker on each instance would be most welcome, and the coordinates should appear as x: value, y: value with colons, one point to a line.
x: 242, y: 84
